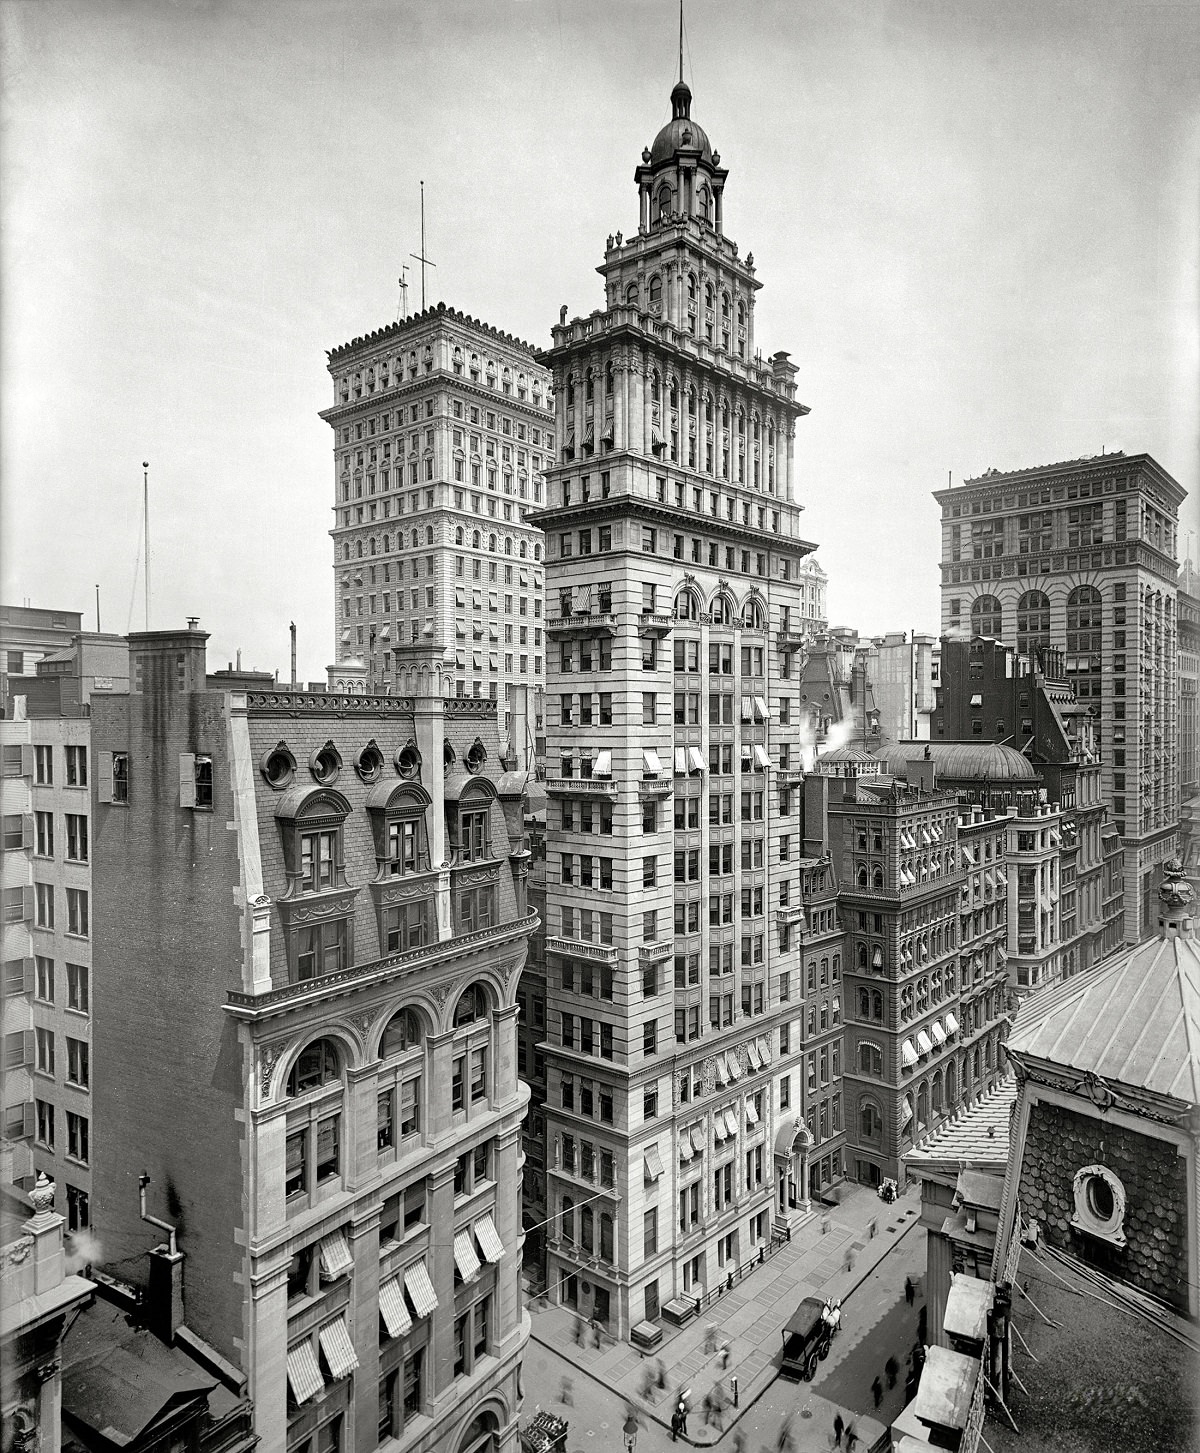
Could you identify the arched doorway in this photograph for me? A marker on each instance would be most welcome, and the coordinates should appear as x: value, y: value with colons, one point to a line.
x: 793, y: 1141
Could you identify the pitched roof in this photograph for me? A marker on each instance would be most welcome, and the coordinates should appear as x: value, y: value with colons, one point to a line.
x: 977, y: 1137
x: 1135, y: 1020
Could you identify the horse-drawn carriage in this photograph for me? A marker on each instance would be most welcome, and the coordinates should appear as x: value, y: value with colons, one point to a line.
x: 806, y: 1339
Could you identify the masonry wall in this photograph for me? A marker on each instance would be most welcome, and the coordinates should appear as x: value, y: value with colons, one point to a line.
x: 167, y: 1064
x: 1059, y: 1143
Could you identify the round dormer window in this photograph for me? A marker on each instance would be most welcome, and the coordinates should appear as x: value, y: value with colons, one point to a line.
x: 278, y: 767
x: 476, y: 756
x: 1099, y: 1204
x: 449, y: 755
x: 369, y: 763
x: 325, y: 764
x: 408, y: 761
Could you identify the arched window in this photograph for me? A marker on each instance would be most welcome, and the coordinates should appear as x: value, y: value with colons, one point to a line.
x: 870, y: 1120
x: 508, y: 545
x: 656, y: 303
x: 632, y: 295
x: 458, y: 536
x: 936, y: 1092
x: 1084, y: 635
x: 861, y: 951
x: 492, y: 543
x: 537, y: 552
x: 864, y: 1003
x: 704, y: 206
x: 521, y: 550
x: 472, y: 1006
x: 655, y: 385
x: 691, y: 287
x: 589, y: 385
x: 1033, y: 622
x: 318, y: 1064
x: 429, y: 534
x: 723, y: 610
x: 986, y: 617
x: 922, y: 1105
x: 483, y: 1434
x: 358, y: 549
x: 950, y: 1085
x: 877, y: 878
x: 475, y: 538
x: 877, y: 1003
x: 687, y: 605
x: 870, y: 1059
x: 405, y: 1031
x: 753, y: 617
x: 312, y: 1155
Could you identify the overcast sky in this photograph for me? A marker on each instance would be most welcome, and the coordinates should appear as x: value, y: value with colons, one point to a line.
x: 975, y: 221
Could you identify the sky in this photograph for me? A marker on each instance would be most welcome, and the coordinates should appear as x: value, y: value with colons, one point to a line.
x: 976, y: 223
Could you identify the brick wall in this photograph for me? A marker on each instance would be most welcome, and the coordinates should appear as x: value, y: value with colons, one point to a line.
x: 1059, y: 1143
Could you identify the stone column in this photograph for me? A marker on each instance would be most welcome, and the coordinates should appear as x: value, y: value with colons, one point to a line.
x: 439, y: 1125
x: 267, y: 1353
x: 620, y: 404
x: 440, y: 1264
x: 504, y: 1061
x: 364, y: 1292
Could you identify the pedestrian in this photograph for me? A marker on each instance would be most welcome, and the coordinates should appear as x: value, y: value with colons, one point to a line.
x: 877, y: 1391
x: 872, y: 1228
x: 838, y: 1428
x: 681, y: 1409
x: 851, y: 1439
x: 826, y: 1225
x: 707, y: 1408
x: 566, y: 1394
x: 649, y: 1383
x: 675, y: 1425
x: 597, y: 1336
x: 891, y: 1367
x: 835, y: 1317
x: 723, y: 1357
x: 849, y: 1262
x: 579, y: 1337
x: 710, y: 1339
x: 910, y: 1291
x: 660, y: 1375
x: 739, y: 1442
x: 784, y: 1443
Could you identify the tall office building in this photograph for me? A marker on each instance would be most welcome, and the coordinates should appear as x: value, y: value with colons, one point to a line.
x: 1083, y: 556
x: 442, y: 426
x: 310, y: 917
x: 675, y: 1133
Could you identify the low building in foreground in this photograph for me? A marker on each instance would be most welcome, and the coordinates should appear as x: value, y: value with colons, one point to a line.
x: 310, y: 918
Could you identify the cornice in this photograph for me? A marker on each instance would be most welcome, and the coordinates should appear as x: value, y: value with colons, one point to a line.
x: 636, y: 507
x: 438, y: 312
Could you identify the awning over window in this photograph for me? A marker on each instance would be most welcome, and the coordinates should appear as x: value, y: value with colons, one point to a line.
x: 719, y: 1130
x: 764, y: 1050
x: 747, y: 709
x: 753, y: 1056
x: 695, y: 759
x: 1002, y: 877
x: 698, y: 1139
x: 951, y: 1024
x: 762, y: 758
x: 603, y: 764
x: 464, y: 1256
x: 908, y: 1053
x: 385, y: 632
x: 420, y: 1289
x: 335, y: 1255
x: 392, y: 1308
x: 720, y: 1070
x: 303, y: 1373
x: 346, y: 633
x: 837, y: 1007
x: 762, y: 712
x: 338, y: 1350
x: 939, y: 1034
x: 654, y: 1165
x: 731, y: 1125
x: 751, y: 1112
x: 924, y: 1043
x: 651, y: 766
x: 681, y: 761
x: 489, y: 1240
x: 685, y: 1148
x: 908, y: 1110
x: 970, y: 854
x: 735, y: 1070
x: 977, y: 699
x: 925, y: 838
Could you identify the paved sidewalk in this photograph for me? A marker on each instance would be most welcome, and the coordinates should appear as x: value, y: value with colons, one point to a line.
x: 750, y: 1317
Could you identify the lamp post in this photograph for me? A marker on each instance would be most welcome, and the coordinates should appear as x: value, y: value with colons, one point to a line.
x: 630, y: 1431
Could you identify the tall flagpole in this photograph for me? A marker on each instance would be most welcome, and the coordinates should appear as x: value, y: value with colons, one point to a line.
x: 420, y: 256
x: 146, y: 532
x: 681, y: 41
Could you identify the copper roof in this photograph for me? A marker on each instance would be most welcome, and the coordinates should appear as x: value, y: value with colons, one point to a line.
x: 1135, y: 1020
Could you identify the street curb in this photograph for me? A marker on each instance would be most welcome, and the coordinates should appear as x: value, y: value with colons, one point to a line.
x: 745, y: 1407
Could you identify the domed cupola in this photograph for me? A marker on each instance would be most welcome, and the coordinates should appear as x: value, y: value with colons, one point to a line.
x: 680, y: 176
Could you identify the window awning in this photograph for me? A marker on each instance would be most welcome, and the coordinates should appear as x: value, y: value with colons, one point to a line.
x: 764, y: 1050
x: 926, y: 840
x: 720, y: 1071
x: 335, y: 1255
x: 340, y: 1356
x: 603, y: 764
x: 837, y: 1006
x: 970, y: 854
x: 303, y: 1373
x: 1002, y: 877
x: 681, y: 762
x: 747, y: 709
x: 924, y: 1043
x: 977, y: 699
x: 392, y: 1308
x: 951, y: 1024
x: 762, y: 758
x: 654, y: 1165
x: 762, y: 711
x: 464, y: 1256
x: 939, y: 1034
x: 908, y: 1110
x: 489, y: 1240
x: 751, y: 1112
x: 346, y: 633
x: 385, y: 632
x: 695, y: 759
x: 908, y: 1053
x: 650, y: 763
x: 719, y: 1131
x: 698, y: 1139
x: 753, y: 1056
x: 420, y: 1289
x: 731, y: 1125
x: 735, y: 1070
x: 685, y: 1147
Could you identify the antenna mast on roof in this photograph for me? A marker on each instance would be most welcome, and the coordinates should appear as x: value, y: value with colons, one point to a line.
x: 402, y: 305
x: 420, y: 256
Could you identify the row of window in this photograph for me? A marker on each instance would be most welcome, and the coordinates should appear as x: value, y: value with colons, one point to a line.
x: 42, y: 837
x: 75, y: 765
x: 44, y: 908
x: 37, y: 978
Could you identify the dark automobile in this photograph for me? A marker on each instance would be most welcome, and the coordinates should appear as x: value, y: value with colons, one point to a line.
x: 806, y: 1340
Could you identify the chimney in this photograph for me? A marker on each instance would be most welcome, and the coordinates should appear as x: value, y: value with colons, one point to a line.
x: 164, y: 1294
x: 167, y: 663
x: 816, y: 816
x: 520, y: 727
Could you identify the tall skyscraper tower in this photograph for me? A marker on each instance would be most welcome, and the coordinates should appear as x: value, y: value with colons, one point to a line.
x: 1083, y: 556
x: 676, y: 1135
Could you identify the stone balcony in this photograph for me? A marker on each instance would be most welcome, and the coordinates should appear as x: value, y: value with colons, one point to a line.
x: 581, y: 787
x: 578, y: 948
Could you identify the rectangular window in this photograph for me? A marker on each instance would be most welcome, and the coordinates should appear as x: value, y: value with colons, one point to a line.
x: 44, y: 905
x: 77, y: 1137
x: 77, y: 987
x: 44, y: 979
x: 321, y: 949
x: 78, y: 1071
x: 43, y: 766
x: 43, y: 834
x: 77, y: 838
x: 76, y: 766
x: 406, y: 927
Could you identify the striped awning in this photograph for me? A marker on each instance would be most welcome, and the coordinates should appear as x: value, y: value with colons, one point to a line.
x: 420, y: 1289
x: 393, y: 1309
x: 653, y: 1164
x: 924, y: 1043
x: 720, y: 1070
x: 731, y: 1125
x: 681, y: 761
x: 762, y: 758
x: 908, y: 1110
x: 753, y: 1056
x: 603, y: 765
x: 908, y: 1053
x: 719, y: 1131
x: 337, y: 1348
x: 303, y: 1373
x: 951, y: 1024
x: 751, y: 1112
x: 761, y: 709
x: 939, y: 1034
x: 764, y: 1050
x: 651, y: 766
x: 747, y: 709
x: 685, y: 1147
x: 335, y: 1255
x: 489, y: 1240
x: 698, y: 1139
x: 695, y: 759
x: 464, y: 1256
x: 734, y: 1069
